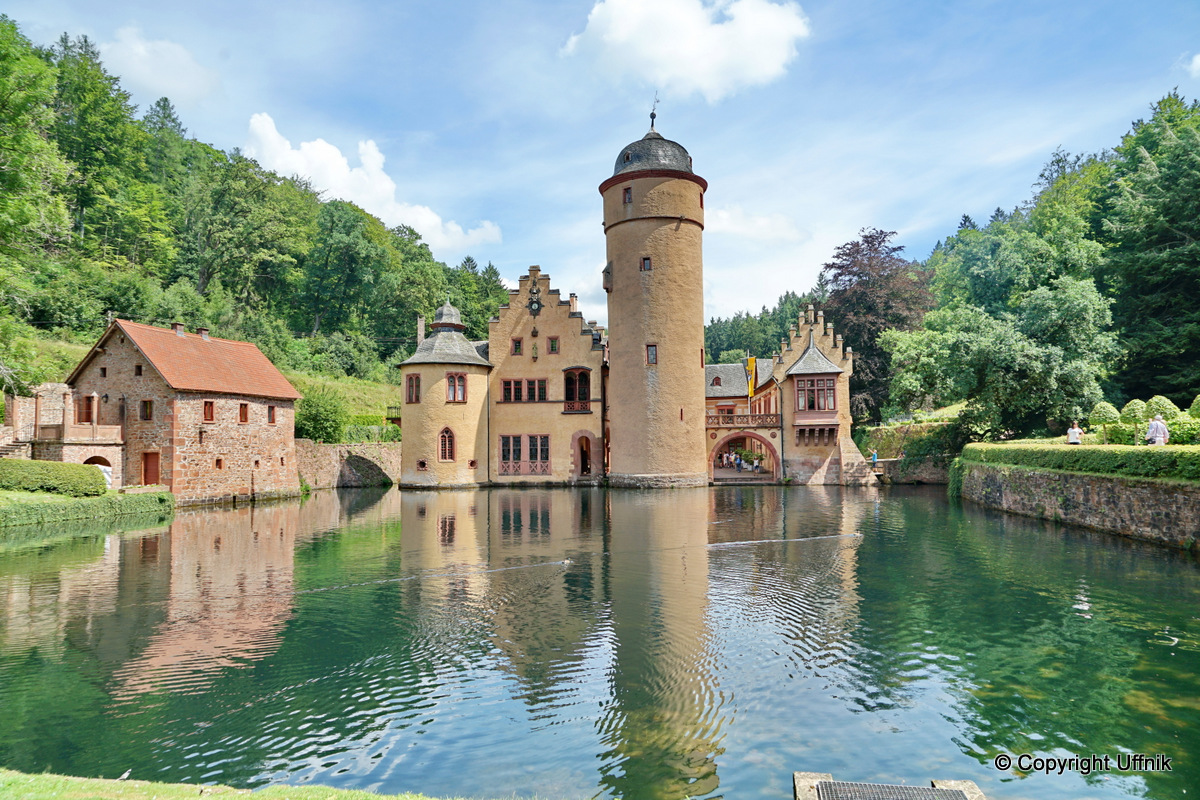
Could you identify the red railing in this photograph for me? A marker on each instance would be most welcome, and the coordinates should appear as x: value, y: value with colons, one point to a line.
x: 524, y: 467
x: 742, y: 421
x: 576, y: 406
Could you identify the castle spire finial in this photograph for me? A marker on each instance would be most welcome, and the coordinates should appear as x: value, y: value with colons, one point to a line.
x: 653, y: 115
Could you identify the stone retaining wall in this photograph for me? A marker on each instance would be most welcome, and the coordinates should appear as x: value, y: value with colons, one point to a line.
x: 327, y: 466
x: 920, y: 472
x: 1166, y: 512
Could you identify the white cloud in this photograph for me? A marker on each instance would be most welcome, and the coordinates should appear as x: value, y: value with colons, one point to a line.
x: 158, y: 68
x: 688, y: 46
x: 367, y: 185
x: 1194, y: 67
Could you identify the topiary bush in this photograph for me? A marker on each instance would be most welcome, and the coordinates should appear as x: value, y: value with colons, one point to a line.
x: 1194, y: 408
x: 74, y: 480
x: 1104, y: 414
x: 1134, y: 412
x: 1162, y: 405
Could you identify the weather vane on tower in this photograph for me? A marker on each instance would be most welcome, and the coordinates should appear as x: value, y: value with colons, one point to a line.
x: 652, y: 110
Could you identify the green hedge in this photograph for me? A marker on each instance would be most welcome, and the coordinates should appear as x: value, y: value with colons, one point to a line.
x: 75, y: 480
x: 110, y: 506
x: 1170, y: 461
x: 366, y: 419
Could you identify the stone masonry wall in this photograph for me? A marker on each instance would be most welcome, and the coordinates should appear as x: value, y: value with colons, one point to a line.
x: 1165, y: 512
x: 327, y: 466
x: 922, y: 472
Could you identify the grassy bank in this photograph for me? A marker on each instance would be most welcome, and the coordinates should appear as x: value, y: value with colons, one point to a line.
x: 362, y: 397
x: 19, y: 786
x: 44, y: 508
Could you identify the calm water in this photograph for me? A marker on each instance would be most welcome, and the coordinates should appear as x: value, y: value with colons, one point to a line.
x: 575, y: 644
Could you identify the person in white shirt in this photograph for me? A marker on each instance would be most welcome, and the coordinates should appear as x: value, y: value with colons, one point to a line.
x: 1075, y: 433
x: 1157, y: 433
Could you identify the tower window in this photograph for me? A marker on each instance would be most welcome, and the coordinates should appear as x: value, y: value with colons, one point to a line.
x: 413, y: 389
x: 516, y: 347
x: 456, y: 387
x: 651, y: 354
x: 628, y: 195
x: 446, y: 445
x: 646, y: 264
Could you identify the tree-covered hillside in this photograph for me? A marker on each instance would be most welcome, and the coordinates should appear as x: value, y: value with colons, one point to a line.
x: 105, y: 210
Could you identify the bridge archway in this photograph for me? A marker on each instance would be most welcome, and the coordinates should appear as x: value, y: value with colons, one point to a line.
x: 772, y: 455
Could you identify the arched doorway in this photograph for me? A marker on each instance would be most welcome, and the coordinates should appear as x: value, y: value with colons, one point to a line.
x: 585, y: 456
x: 99, y: 461
x: 747, y: 440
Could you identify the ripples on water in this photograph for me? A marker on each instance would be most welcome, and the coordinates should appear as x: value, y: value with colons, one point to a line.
x: 582, y: 643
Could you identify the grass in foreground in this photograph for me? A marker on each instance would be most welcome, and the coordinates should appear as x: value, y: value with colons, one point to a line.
x: 19, y: 786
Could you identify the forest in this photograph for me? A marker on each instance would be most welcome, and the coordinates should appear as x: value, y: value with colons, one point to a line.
x: 1088, y: 291
x: 105, y: 211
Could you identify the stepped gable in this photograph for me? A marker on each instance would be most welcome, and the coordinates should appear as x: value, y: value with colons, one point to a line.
x: 812, y: 361
x: 191, y: 362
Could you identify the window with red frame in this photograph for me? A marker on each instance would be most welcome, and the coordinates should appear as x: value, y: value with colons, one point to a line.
x: 446, y: 445
x: 816, y: 394
x: 412, y: 389
x: 456, y: 387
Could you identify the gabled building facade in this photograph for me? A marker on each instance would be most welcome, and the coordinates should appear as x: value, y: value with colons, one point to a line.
x: 526, y: 406
x: 211, y: 419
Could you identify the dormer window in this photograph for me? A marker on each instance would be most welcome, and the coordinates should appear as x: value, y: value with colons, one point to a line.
x: 628, y: 156
x: 716, y: 381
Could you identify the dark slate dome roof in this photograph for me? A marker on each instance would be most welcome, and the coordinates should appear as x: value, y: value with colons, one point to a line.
x: 447, y: 344
x: 652, y: 151
x: 447, y: 316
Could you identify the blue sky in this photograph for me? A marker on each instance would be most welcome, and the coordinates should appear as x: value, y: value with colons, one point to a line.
x: 489, y: 126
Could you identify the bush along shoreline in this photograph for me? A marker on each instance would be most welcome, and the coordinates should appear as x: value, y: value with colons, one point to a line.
x: 20, y: 509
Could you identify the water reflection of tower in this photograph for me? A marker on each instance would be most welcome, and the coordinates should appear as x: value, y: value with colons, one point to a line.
x: 443, y: 544
x: 663, y: 724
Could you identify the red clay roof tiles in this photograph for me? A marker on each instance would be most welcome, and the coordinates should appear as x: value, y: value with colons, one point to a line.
x: 191, y: 363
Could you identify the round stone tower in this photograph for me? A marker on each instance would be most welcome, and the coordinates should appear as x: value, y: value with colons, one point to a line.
x: 653, y: 222
x: 445, y: 387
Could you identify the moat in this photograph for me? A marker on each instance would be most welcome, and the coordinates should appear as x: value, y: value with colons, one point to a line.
x: 592, y: 643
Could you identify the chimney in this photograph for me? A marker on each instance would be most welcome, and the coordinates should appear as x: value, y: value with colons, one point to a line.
x: 420, y: 330
x: 574, y: 303
x: 178, y: 328
x: 808, y: 314
x: 203, y: 333
x: 534, y: 272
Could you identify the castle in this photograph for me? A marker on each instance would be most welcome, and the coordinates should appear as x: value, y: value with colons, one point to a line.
x: 552, y: 398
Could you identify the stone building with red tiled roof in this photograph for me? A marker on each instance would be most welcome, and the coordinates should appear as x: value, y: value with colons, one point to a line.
x: 211, y: 419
